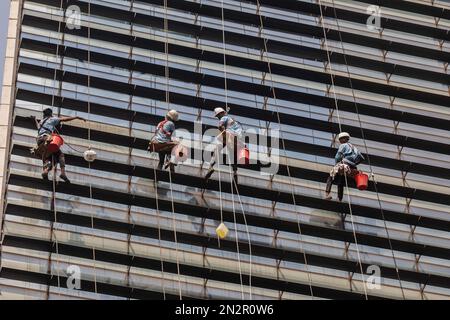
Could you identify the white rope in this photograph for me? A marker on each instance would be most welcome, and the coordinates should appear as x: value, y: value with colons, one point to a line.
x: 166, y: 49
x: 175, y: 235
x: 340, y: 128
x: 158, y: 217
x: 236, y: 230
x: 55, y: 227
x: 248, y: 238
x: 130, y: 150
x: 220, y: 187
x: 285, y: 153
x: 55, y: 213
x: 89, y: 138
x: 232, y: 180
x: 159, y: 231
x: 367, y: 150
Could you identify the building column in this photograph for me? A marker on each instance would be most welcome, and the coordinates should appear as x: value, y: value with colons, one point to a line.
x: 8, y: 95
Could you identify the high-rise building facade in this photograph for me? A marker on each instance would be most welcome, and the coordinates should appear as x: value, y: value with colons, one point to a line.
x: 299, y: 72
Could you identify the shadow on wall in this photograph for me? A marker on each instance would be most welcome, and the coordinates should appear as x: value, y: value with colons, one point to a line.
x: 332, y: 220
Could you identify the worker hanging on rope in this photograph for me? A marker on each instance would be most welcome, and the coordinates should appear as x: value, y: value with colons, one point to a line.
x: 230, y: 136
x: 347, y: 158
x: 229, y: 127
x: 46, y: 148
x: 162, y: 141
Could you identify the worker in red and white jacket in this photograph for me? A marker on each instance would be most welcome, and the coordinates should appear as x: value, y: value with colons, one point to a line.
x: 162, y: 141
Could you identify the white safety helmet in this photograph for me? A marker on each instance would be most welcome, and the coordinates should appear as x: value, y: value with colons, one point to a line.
x: 173, y: 115
x: 218, y: 111
x: 343, y: 135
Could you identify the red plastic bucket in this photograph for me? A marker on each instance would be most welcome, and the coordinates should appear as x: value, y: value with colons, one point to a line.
x: 56, y: 143
x: 362, y: 181
x: 244, y: 156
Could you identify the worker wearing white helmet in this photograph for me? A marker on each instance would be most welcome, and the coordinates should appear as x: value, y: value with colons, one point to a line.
x: 343, y: 135
x: 227, y: 123
x: 162, y: 141
x: 347, y: 152
x: 231, y: 137
x: 46, y: 127
x: 347, y: 158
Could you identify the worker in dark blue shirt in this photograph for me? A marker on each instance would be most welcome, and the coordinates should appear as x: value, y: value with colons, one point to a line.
x: 347, y: 158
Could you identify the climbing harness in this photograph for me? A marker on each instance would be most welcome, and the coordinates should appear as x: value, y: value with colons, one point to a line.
x: 160, y: 126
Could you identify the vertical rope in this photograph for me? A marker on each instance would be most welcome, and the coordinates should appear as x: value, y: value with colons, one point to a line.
x: 89, y: 138
x: 367, y: 151
x: 340, y: 128
x: 158, y: 213
x: 248, y: 238
x: 159, y: 231
x: 220, y: 188
x: 229, y: 160
x: 284, y: 149
x: 166, y: 71
x: 53, y: 228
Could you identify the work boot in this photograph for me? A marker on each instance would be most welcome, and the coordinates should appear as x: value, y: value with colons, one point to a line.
x: 64, y: 177
x: 340, y: 191
x: 169, y: 164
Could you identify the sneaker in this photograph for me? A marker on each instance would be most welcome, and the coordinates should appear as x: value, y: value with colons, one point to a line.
x: 170, y: 164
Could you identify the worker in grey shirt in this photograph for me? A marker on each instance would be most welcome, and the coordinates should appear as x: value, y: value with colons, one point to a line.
x: 46, y: 127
